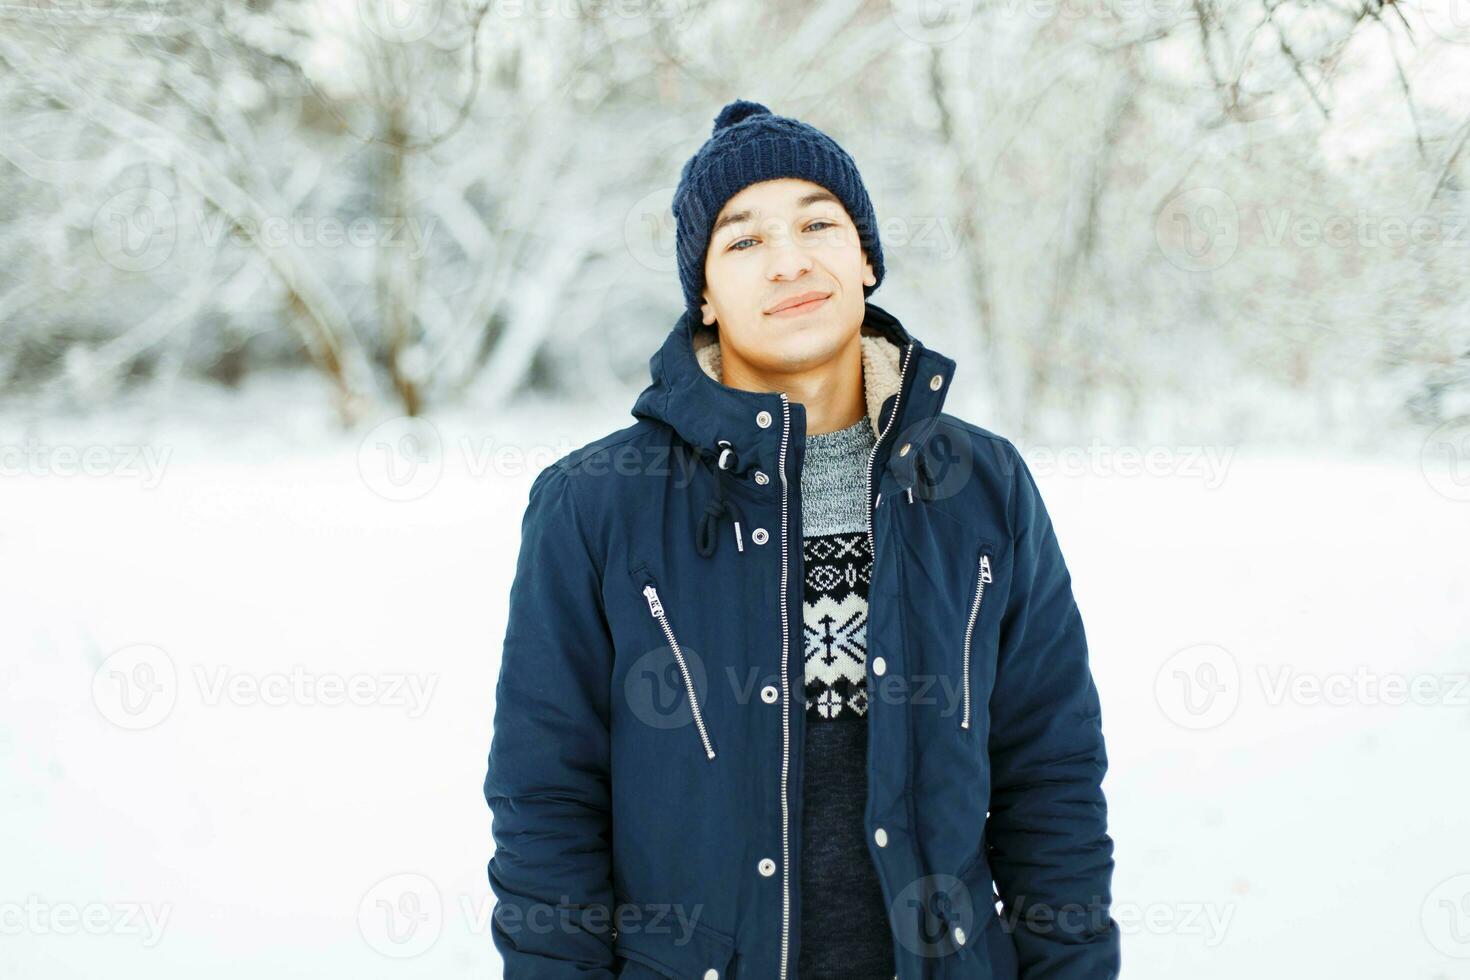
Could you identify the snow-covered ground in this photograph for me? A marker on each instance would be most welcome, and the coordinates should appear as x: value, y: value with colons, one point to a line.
x: 249, y: 663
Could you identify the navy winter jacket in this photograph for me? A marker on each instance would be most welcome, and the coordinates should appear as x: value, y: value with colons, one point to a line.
x: 645, y: 772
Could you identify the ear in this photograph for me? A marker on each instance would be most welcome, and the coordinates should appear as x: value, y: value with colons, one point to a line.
x: 870, y: 278
x: 707, y: 312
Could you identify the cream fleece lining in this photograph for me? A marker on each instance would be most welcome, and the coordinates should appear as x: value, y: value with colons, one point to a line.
x: 882, y: 359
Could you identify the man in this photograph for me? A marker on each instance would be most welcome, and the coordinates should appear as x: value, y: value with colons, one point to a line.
x: 793, y: 683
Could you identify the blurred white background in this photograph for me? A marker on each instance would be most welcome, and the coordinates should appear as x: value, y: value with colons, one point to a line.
x: 297, y: 296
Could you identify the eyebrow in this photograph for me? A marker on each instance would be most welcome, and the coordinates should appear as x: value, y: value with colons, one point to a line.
x: 805, y: 200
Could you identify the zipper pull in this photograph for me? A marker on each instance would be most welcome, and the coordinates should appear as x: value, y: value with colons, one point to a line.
x: 654, y: 606
x: 985, y: 569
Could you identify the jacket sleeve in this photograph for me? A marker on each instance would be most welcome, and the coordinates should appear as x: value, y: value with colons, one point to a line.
x: 1047, y: 832
x: 547, y: 781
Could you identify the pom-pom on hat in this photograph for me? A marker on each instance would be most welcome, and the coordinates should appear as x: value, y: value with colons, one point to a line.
x: 749, y: 144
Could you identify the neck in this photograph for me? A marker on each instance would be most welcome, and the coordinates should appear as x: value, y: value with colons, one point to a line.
x: 879, y: 376
x: 831, y: 393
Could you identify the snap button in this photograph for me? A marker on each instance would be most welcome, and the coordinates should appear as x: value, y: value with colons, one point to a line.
x: 769, y: 694
x: 763, y: 419
x: 879, y: 666
x: 711, y: 974
x: 761, y: 478
x: 959, y: 935
x: 760, y: 535
x: 905, y: 450
x: 767, y: 867
x: 936, y: 382
x: 881, y: 836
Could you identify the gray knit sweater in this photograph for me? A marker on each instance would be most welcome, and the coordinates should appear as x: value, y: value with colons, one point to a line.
x: 844, y: 923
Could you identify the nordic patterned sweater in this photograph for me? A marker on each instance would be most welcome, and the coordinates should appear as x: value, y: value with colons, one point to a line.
x: 844, y: 924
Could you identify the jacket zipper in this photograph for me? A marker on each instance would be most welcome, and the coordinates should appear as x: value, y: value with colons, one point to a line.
x: 873, y: 454
x: 657, y: 609
x: 872, y: 505
x: 786, y: 637
x: 980, y: 583
x: 785, y: 698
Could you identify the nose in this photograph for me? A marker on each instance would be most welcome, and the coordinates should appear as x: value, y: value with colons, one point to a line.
x: 787, y: 257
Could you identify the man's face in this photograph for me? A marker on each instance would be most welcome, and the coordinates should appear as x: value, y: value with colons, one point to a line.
x: 775, y: 242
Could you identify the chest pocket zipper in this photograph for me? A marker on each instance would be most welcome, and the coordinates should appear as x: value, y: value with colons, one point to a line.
x: 656, y: 608
x: 984, y: 578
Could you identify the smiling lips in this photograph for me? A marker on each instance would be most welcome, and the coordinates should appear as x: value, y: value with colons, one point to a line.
x: 798, y: 305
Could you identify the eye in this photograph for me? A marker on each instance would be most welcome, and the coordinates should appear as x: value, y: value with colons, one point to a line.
x: 820, y: 222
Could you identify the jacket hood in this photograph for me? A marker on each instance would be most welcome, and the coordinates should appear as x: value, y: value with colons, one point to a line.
x: 745, y: 434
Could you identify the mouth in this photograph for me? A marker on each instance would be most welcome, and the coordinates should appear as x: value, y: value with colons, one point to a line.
x: 799, y: 305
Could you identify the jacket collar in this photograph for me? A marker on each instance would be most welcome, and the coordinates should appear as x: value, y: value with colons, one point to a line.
x: 686, y: 394
x: 882, y: 359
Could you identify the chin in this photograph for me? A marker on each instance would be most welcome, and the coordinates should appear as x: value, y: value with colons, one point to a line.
x: 812, y: 341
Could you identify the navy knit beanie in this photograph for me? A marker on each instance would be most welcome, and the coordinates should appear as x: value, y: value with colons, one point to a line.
x: 750, y: 144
